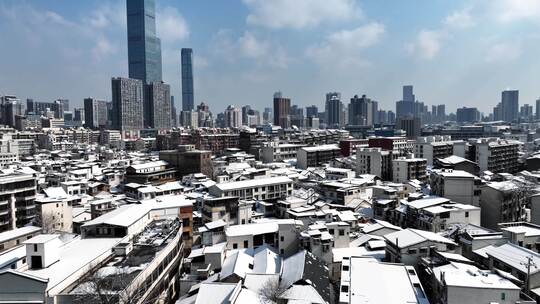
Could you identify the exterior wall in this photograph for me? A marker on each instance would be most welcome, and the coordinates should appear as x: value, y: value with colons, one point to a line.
x: 471, y: 295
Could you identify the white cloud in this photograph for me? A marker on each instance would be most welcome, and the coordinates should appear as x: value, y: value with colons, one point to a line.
x: 299, y: 14
x: 427, y: 44
x: 503, y: 52
x: 103, y: 47
x: 512, y: 10
x: 262, y: 51
x: 343, y: 47
x: 171, y: 25
x: 107, y: 15
x: 459, y: 19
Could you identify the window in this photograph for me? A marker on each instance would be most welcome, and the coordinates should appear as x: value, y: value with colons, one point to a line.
x: 341, y: 232
x: 331, y: 231
x: 503, y: 296
x: 235, y: 246
x: 344, y: 288
x: 282, y: 238
x: 422, y: 250
x: 411, y: 251
x: 466, y: 213
x: 345, y: 267
x: 281, y: 251
x: 35, y: 247
x: 246, y: 244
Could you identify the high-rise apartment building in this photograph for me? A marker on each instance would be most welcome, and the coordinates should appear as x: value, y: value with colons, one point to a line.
x: 361, y: 111
x: 406, y: 106
x: 312, y: 111
x: 95, y: 113
x: 157, y: 105
x: 465, y: 114
x: 510, y: 105
x: 127, y: 99
x: 538, y: 108
x: 526, y: 112
x: 10, y: 106
x: 334, y: 109
x: 188, y: 101
x: 282, y: 106
x: 144, y: 47
x: 233, y: 117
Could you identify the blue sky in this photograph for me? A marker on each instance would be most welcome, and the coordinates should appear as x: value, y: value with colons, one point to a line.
x: 454, y: 52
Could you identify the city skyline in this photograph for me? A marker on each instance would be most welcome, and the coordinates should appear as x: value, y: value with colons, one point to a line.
x: 304, y: 57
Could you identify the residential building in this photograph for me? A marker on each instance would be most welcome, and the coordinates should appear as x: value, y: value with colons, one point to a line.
x: 127, y: 100
x: 502, y: 202
x: 188, y: 160
x: 157, y: 105
x: 458, y: 186
x: 495, y: 155
x: 17, y: 195
x: 256, y: 189
x: 282, y: 107
x: 434, y: 147
x: 408, y: 168
x: 95, y: 113
x: 374, y: 161
x: 402, y: 281
x: 467, y: 115
x: 316, y: 156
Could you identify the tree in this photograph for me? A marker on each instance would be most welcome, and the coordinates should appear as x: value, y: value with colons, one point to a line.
x: 47, y: 221
x: 109, y: 285
x: 270, y: 291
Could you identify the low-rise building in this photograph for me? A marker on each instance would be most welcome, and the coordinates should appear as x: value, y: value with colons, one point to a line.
x: 408, y: 168
x: 316, y: 156
x: 458, y: 186
x: 255, y: 189
x: 386, y: 282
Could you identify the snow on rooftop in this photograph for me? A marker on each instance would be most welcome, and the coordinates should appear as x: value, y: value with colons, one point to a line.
x: 320, y: 148
x: 252, y: 229
x: 16, y: 233
x: 465, y: 275
x: 409, y: 237
x: 392, y: 278
x: 258, y: 182
x: 74, y: 255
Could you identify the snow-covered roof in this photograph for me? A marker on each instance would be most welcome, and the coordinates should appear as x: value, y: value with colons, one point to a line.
x: 409, y: 237
x: 18, y: 232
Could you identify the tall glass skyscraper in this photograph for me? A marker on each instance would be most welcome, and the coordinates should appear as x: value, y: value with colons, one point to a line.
x: 144, y: 47
x: 187, y: 80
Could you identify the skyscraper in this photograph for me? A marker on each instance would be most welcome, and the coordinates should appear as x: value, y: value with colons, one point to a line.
x: 361, y: 111
x: 233, y: 117
x: 174, y: 117
x: 465, y: 114
x: 282, y: 106
x: 406, y: 106
x: 510, y: 105
x: 157, y: 105
x: 144, y: 47
x: 334, y: 109
x: 538, y: 108
x: 95, y: 113
x: 312, y: 111
x: 187, y: 80
x: 127, y: 99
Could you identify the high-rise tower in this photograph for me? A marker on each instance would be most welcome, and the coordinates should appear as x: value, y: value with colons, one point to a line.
x: 188, y: 102
x: 144, y: 47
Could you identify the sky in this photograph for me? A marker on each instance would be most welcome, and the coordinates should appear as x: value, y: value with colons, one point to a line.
x: 458, y: 53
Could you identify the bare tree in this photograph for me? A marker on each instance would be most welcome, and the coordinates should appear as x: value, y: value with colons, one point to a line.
x: 109, y: 288
x: 270, y: 291
x: 47, y: 221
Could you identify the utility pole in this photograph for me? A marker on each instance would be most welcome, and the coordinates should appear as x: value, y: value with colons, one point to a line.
x: 529, y: 263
